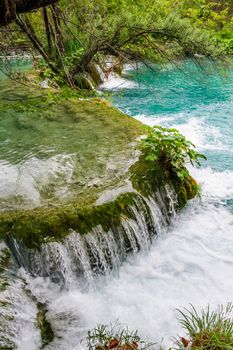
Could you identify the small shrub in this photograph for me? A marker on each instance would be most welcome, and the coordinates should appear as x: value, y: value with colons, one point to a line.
x: 171, y: 149
x: 209, y: 330
x: 115, y: 337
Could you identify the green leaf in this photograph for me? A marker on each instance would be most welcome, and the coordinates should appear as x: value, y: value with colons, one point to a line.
x: 172, y: 148
x: 151, y: 157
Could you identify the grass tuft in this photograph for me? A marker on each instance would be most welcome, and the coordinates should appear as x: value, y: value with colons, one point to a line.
x: 207, y: 330
x: 115, y: 337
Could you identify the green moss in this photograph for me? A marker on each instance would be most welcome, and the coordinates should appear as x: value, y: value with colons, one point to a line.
x: 3, y: 284
x: 4, y: 262
x: 34, y: 226
x: 148, y: 176
x: 47, y: 334
x: 4, y: 303
x: 185, y: 190
x: 4, y: 259
x: 39, y: 225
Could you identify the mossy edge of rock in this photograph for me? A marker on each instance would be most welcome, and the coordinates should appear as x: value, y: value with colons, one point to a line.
x: 52, y: 223
x: 5, y: 256
x: 147, y: 177
x: 34, y: 227
x: 47, y: 334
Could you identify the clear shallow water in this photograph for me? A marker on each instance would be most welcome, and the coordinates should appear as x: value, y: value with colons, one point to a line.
x: 52, y: 153
x: 193, y: 262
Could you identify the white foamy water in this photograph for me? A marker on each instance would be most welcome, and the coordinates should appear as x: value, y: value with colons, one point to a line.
x: 115, y: 82
x: 18, y: 315
x: 28, y: 179
x: 192, y: 263
x: 153, y: 120
x: 215, y: 185
x: 195, y: 129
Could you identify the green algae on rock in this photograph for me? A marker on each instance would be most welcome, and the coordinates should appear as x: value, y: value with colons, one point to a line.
x: 63, y: 159
x: 47, y: 334
x: 33, y: 227
x: 147, y: 177
x: 5, y: 256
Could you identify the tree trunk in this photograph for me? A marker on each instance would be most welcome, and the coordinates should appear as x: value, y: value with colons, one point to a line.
x: 10, y: 8
x: 28, y: 30
x: 48, y: 30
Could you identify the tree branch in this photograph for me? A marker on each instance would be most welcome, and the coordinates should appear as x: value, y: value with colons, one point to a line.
x: 10, y: 8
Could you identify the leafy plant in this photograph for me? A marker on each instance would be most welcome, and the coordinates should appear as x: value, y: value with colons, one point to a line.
x: 228, y: 45
x: 171, y: 149
x: 209, y: 330
x: 115, y: 336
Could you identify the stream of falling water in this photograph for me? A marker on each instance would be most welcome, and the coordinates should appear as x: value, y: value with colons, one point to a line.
x: 191, y: 261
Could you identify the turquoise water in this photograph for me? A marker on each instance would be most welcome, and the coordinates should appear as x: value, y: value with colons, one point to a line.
x: 198, y: 100
x: 14, y: 65
x: 186, y: 94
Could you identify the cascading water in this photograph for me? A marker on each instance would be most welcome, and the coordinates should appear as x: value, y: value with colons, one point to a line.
x: 98, y: 252
x: 94, y: 280
x: 81, y: 263
x: 18, y: 310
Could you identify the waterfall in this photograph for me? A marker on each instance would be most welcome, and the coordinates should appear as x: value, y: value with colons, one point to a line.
x: 18, y: 310
x: 82, y: 257
x: 79, y: 262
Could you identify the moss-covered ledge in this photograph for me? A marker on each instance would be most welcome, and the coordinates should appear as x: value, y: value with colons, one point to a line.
x: 97, y: 142
x: 34, y: 227
x: 147, y: 177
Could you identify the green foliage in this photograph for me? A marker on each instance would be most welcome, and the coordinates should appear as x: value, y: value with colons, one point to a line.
x: 56, y: 80
x: 142, y: 30
x: 73, y: 56
x: 208, y: 330
x: 101, y: 338
x: 171, y: 149
x: 228, y: 45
